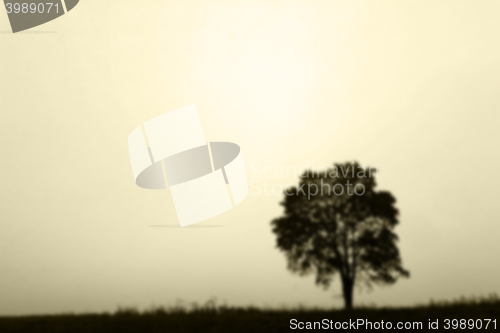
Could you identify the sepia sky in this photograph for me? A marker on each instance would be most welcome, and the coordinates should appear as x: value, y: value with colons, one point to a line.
x: 411, y: 87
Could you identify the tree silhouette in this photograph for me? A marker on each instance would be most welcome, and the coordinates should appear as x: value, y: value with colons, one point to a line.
x: 336, y: 223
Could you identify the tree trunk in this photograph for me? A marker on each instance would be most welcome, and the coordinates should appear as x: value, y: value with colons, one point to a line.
x: 347, y: 289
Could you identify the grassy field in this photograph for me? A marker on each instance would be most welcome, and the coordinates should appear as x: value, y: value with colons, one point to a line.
x: 219, y: 318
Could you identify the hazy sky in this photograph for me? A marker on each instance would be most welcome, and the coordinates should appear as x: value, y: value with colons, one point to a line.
x: 411, y: 87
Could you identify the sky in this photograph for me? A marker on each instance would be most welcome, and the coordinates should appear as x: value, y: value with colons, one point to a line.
x: 410, y: 87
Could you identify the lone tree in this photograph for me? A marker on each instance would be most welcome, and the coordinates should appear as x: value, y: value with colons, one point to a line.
x: 336, y: 223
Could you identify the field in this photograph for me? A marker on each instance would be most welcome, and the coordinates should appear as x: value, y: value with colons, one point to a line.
x: 219, y: 318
